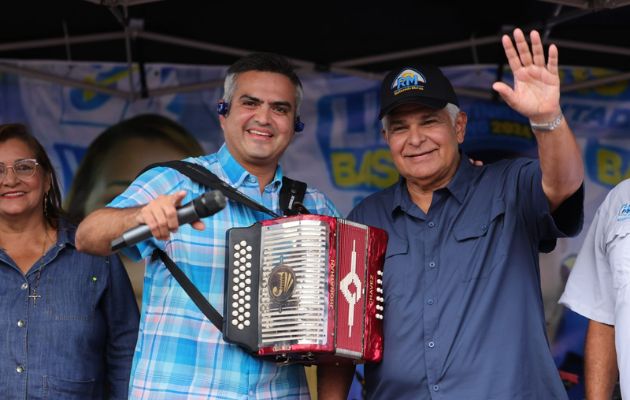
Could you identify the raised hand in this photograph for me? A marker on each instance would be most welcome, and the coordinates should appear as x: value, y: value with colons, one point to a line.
x: 536, y: 92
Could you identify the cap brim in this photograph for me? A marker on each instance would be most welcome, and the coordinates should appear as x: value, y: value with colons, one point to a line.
x: 425, y: 101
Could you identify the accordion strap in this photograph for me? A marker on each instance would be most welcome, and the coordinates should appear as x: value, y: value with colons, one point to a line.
x: 291, y: 197
x: 200, y: 301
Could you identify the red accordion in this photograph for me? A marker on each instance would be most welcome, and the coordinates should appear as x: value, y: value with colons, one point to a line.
x: 306, y: 289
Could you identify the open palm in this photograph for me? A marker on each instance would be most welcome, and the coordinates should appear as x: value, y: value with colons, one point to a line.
x: 536, y: 92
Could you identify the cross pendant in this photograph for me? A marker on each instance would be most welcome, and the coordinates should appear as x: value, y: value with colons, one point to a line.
x: 34, y: 296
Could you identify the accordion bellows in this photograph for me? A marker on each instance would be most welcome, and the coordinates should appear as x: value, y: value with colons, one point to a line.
x: 306, y: 289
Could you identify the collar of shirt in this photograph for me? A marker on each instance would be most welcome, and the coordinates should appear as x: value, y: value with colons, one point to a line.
x: 458, y: 187
x: 237, y: 175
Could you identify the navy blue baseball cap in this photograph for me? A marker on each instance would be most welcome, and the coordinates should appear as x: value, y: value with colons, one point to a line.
x: 424, y: 85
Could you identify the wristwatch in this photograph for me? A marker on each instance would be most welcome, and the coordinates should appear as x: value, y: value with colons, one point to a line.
x: 547, y: 126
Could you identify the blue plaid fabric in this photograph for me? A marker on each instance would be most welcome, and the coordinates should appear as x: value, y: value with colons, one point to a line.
x: 180, y: 354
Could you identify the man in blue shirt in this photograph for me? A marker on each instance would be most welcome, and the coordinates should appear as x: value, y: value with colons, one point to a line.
x: 180, y: 354
x: 463, y: 307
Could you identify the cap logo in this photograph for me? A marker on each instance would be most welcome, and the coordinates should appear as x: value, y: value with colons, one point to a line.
x: 408, y: 79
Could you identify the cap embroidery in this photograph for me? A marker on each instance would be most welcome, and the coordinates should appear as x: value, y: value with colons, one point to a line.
x: 408, y: 79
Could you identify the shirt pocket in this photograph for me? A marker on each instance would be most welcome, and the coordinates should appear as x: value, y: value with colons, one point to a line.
x: 67, y: 389
x: 396, y: 258
x: 477, y: 233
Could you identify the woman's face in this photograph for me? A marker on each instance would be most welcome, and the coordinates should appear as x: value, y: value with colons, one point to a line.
x: 120, y: 167
x: 20, y: 196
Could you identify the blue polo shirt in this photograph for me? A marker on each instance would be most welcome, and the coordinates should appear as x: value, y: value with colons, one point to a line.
x: 463, y: 305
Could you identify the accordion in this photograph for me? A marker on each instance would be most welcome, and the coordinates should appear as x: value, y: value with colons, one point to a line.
x: 306, y: 289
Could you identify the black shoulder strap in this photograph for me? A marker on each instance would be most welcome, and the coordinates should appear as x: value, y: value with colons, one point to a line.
x: 191, y: 290
x: 292, y: 196
x: 200, y: 174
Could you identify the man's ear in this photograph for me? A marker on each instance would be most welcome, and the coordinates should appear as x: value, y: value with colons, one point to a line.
x: 384, y: 134
x: 460, y: 126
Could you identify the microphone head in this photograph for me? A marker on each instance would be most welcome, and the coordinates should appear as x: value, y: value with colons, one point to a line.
x: 209, y: 203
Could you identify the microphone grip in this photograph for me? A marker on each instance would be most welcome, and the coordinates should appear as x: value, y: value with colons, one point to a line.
x: 205, y: 205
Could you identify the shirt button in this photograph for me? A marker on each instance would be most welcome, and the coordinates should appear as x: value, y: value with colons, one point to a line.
x: 19, y: 369
x: 432, y: 264
x: 436, y: 388
x: 430, y: 302
x: 21, y: 323
x: 431, y: 224
x: 24, y: 286
x: 431, y: 344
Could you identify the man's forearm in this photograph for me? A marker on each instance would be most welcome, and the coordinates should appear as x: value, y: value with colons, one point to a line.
x: 98, y: 229
x: 561, y: 164
x: 600, y: 361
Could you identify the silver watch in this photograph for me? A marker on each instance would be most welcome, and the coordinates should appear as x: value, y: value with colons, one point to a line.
x: 547, y: 126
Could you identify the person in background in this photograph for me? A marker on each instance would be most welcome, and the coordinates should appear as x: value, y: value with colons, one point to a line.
x: 114, y: 159
x: 69, y: 320
x: 180, y: 353
x: 463, y: 312
x: 599, y: 289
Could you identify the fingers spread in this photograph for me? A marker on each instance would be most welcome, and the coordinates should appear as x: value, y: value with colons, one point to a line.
x: 510, y: 53
x: 537, y: 49
x: 523, y: 47
x: 552, y: 62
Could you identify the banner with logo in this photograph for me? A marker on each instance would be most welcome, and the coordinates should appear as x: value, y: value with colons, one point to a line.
x: 341, y: 150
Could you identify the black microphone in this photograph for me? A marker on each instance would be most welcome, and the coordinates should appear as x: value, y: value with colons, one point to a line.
x: 203, y: 206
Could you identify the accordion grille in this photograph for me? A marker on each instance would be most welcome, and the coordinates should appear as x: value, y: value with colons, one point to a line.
x: 295, y: 254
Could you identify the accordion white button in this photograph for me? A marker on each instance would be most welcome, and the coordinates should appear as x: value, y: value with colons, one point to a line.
x: 249, y: 256
x: 246, y: 322
x: 240, y: 318
x: 235, y: 296
x: 241, y: 309
x: 237, y: 246
x: 379, y: 282
x: 240, y: 326
x: 240, y: 301
x: 248, y: 281
x: 235, y: 279
x: 248, y: 298
x: 248, y: 289
x: 248, y: 273
x: 243, y: 243
x: 379, y: 273
x: 248, y: 264
x: 241, y: 292
x: 243, y: 251
x: 234, y: 321
x: 236, y: 263
x: 235, y: 288
x: 234, y: 313
x: 243, y: 258
x: 235, y: 304
x: 247, y: 314
x: 235, y: 271
x: 247, y: 305
x: 249, y: 248
x: 242, y: 276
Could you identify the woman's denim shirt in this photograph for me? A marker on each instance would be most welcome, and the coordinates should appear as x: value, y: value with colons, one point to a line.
x: 68, y: 328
